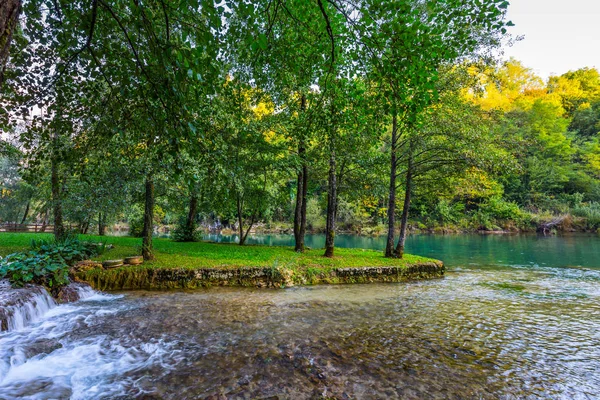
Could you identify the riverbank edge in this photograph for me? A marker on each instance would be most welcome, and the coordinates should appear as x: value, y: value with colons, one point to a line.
x: 163, y: 278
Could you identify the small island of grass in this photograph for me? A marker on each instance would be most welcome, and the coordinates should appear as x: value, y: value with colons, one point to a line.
x: 201, y: 264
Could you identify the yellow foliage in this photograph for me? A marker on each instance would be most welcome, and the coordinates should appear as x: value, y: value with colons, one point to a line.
x: 477, y: 184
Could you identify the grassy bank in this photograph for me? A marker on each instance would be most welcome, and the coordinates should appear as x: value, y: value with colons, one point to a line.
x: 190, y: 265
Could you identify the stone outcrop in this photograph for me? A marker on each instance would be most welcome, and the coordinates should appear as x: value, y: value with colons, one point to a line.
x: 134, y: 278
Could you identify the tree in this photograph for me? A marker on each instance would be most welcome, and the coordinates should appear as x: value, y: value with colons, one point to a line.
x: 404, y: 43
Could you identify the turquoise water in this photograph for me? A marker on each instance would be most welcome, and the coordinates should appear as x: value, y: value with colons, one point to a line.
x: 574, y: 250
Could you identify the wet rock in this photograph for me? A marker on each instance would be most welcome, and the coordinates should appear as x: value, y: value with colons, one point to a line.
x: 42, y: 346
x: 72, y: 292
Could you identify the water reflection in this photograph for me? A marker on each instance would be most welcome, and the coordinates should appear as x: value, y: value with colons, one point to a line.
x: 459, y: 250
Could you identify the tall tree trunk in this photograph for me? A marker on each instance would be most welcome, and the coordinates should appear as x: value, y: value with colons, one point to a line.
x: 391, y: 211
x: 9, y: 18
x: 190, y: 222
x: 243, y: 234
x: 299, y: 246
x: 101, y: 224
x: 331, y: 197
x: 301, y: 192
x: 59, y: 229
x: 240, y: 221
x: 148, y: 220
x: 407, y: 197
x: 26, y: 213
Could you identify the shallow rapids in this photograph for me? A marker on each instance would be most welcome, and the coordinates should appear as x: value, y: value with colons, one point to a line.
x: 496, y: 332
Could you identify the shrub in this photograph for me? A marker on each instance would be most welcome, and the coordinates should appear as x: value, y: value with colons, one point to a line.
x: 446, y: 212
x: 48, y: 262
x: 185, y: 233
x: 591, y: 213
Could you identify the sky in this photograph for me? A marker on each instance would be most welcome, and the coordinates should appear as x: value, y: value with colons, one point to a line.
x: 560, y: 35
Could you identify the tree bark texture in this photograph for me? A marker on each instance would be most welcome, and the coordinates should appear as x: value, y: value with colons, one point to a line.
x: 301, y: 192
x: 190, y: 222
x: 148, y: 220
x: 59, y: 229
x: 240, y: 210
x: 405, y: 209
x: 26, y: 213
x: 391, y: 211
x: 101, y: 224
x: 331, y: 198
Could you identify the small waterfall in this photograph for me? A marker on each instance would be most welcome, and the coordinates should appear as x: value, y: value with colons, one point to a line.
x: 19, y: 307
x: 85, y: 291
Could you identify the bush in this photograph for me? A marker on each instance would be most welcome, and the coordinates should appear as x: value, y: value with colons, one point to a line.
x: 591, y: 213
x: 47, y: 263
x: 185, y: 233
x: 446, y: 212
x: 497, y: 211
x: 500, y: 209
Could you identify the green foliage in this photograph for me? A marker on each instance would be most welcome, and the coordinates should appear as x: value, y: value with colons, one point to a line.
x: 32, y: 267
x: 315, y: 219
x: 591, y: 213
x: 448, y: 213
x: 48, y: 262
x: 184, y: 232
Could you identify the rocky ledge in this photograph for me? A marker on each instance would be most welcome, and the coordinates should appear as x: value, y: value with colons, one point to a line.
x: 148, y: 278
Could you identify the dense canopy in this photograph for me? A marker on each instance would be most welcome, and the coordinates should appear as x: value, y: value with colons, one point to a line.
x: 288, y: 115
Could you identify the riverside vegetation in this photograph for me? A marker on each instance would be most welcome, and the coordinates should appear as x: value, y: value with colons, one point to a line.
x: 372, y: 117
x: 191, y: 265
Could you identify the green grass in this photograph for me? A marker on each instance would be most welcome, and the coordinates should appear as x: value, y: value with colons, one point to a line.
x: 171, y: 254
x: 14, y: 242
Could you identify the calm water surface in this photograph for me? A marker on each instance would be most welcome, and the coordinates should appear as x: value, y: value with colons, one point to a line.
x: 516, y: 317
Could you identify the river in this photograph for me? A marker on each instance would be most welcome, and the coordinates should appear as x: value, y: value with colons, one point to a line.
x: 515, y: 317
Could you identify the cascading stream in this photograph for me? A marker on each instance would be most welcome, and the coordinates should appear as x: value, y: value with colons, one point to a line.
x: 19, y: 307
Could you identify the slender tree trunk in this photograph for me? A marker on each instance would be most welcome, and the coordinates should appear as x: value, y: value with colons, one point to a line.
x: 26, y: 213
x: 190, y: 222
x: 193, y: 210
x: 148, y: 220
x: 407, y: 197
x: 101, y: 224
x: 59, y: 229
x: 301, y: 192
x: 331, y: 197
x: 240, y: 216
x: 304, y: 202
x: 299, y: 247
x: 391, y: 211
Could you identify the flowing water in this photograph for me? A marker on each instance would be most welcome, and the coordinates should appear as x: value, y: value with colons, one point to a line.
x: 515, y: 317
